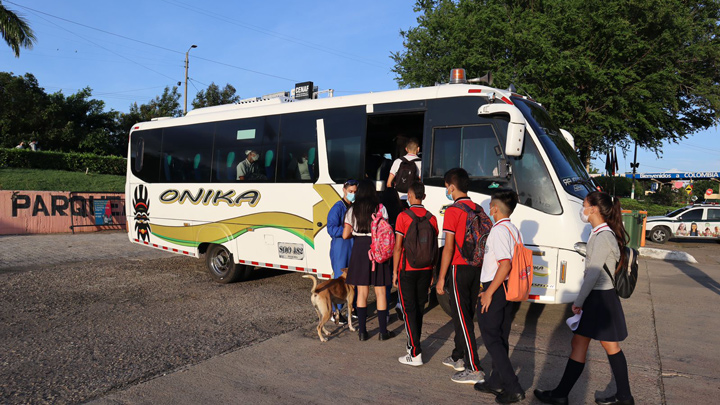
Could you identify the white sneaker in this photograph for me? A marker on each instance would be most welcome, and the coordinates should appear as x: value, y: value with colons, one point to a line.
x: 410, y: 360
x: 468, y: 377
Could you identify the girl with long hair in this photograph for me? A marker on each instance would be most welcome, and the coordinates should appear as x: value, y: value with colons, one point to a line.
x: 358, y: 221
x: 602, y: 314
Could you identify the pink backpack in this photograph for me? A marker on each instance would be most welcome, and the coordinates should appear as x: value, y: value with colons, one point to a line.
x: 382, y: 242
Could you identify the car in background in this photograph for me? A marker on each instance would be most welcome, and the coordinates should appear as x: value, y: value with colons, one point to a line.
x: 694, y: 221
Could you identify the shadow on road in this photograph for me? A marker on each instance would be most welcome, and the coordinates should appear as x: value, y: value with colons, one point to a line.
x: 698, y: 276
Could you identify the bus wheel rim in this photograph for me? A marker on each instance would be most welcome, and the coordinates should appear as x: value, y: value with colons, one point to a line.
x: 220, y: 262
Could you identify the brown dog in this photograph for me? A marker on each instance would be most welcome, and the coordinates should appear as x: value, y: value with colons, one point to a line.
x: 330, y: 292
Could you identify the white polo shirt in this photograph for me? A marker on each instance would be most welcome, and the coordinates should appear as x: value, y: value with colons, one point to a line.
x: 498, y: 247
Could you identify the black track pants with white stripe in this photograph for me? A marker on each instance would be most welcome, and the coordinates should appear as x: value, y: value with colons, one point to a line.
x: 463, y: 285
x: 413, y: 294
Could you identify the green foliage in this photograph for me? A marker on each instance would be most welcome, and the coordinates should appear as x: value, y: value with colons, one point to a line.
x: 609, y: 72
x: 647, y: 205
x: 700, y: 186
x: 74, y: 123
x: 15, y: 31
x: 214, y: 96
x: 59, y: 180
x: 666, y: 195
x: 619, y: 186
x: 77, y: 162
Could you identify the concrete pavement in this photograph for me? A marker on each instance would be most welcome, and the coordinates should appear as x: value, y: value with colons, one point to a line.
x: 671, y: 351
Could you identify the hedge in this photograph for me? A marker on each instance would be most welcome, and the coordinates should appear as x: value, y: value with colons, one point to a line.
x: 73, y: 162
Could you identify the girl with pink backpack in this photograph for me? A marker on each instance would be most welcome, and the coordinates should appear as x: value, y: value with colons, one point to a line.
x: 367, y: 223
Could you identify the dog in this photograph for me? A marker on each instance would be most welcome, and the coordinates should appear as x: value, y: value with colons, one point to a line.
x: 330, y: 292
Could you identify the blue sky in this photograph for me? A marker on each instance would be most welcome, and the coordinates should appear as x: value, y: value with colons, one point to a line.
x: 258, y: 47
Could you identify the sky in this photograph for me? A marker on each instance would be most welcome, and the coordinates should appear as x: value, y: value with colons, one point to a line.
x: 128, y: 51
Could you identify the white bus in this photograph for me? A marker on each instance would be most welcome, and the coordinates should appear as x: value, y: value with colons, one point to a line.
x: 188, y: 191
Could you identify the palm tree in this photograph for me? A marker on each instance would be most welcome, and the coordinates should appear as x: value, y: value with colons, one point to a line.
x: 15, y: 31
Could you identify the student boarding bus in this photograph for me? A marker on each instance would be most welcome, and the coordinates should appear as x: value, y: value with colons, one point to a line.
x: 249, y: 185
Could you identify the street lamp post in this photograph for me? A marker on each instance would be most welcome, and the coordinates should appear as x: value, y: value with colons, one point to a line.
x: 186, y: 75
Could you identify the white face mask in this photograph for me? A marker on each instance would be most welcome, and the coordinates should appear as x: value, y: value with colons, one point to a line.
x: 583, y: 217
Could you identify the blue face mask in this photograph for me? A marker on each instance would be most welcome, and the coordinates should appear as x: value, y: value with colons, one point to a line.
x: 448, y: 195
x: 351, y: 197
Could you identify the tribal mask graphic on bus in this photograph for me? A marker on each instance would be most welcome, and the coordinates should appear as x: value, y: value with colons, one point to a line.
x: 141, y: 207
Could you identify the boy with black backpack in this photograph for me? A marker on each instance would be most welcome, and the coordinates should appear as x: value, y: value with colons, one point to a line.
x: 406, y: 170
x: 466, y: 227
x: 416, y: 251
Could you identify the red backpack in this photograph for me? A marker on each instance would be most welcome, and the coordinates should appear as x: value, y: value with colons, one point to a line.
x: 521, y: 272
x: 382, y: 242
x: 477, y: 229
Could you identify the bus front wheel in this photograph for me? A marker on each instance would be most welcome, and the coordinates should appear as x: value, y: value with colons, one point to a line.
x: 222, y: 267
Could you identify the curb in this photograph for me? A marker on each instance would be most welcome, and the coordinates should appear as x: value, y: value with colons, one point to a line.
x: 663, y: 254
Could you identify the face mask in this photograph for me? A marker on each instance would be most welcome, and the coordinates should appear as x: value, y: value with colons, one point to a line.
x: 492, y: 216
x: 254, y: 158
x: 351, y: 197
x: 583, y: 217
x: 448, y: 195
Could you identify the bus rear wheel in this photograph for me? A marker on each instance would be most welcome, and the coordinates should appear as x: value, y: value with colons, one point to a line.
x: 222, y: 268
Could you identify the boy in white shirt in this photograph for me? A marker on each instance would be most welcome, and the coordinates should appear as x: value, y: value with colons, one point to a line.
x: 402, y: 171
x: 494, y: 311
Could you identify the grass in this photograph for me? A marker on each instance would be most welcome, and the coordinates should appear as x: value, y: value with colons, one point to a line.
x: 652, y: 209
x: 59, y: 180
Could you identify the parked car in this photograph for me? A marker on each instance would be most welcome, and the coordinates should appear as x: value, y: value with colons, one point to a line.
x: 694, y: 221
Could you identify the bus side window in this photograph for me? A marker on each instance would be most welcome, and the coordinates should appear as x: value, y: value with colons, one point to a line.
x: 345, y: 135
x: 446, y: 150
x: 298, y: 148
x: 181, y: 147
x: 146, y: 154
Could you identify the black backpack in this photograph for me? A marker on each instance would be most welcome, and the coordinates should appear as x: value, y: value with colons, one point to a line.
x: 626, y: 279
x: 420, y: 243
x: 407, y: 174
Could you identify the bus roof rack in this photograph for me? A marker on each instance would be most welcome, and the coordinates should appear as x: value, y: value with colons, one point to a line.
x: 244, y: 103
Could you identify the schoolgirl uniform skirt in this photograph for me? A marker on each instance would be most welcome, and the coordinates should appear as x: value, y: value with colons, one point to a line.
x: 360, y: 267
x: 603, y: 317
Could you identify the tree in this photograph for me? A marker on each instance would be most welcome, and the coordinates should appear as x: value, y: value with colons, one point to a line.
x: 214, y: 96
x: 610, y: 72
x: 15, y: 31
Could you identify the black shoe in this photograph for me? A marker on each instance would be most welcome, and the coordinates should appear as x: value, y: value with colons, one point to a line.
x: 483, y: 387
x: 547, y: 398
x: 399, y: 313
x: 341, y: 319
x: 364, y: 335
x: 387, y: 335
x: 614, y: 401
x: 509, y: 398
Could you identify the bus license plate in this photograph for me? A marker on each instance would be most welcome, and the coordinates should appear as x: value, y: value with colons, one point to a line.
x: 295, y: 251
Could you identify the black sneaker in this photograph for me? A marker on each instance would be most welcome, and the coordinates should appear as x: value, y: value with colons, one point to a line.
x: 341, y: 319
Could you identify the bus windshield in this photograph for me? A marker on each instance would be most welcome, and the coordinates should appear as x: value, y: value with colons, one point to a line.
x: 565, y: 161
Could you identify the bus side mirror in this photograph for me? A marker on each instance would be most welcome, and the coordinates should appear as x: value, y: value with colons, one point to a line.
x: 516, y: 126
x: 568, y: 137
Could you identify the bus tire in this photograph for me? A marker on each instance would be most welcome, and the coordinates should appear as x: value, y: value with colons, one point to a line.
x: 223, y: 269
x: 660, y: 234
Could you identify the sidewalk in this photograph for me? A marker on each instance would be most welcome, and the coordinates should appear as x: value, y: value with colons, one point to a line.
x: 672, y: 357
